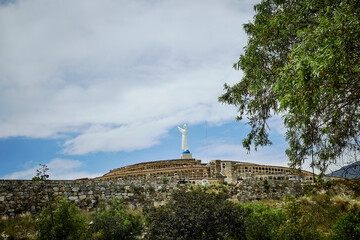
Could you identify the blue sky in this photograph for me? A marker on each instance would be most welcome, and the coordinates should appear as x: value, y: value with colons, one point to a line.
x: 87, y: 86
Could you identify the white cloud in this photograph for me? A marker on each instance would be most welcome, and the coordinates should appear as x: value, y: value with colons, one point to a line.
x: 64, y: 169
x: 120, y: 74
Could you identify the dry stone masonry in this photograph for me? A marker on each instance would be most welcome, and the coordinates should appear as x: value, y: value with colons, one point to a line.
x: 19, y: 196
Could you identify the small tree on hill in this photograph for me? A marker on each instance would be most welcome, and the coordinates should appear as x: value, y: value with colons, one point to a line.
x: 41, y: 175
x: 115, y: 222
x: 66, y: 222
x: 196, y: 215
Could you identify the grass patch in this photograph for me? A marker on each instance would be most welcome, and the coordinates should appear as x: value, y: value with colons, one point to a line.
x: 19, y: 227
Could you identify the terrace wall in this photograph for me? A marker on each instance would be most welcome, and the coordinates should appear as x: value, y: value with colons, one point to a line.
x: 19, y: 196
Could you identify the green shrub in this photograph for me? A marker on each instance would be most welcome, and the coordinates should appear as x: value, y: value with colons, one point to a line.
x: 299, y: 224
x: 347, y: 227
x: 114, y: 222
x: 222, y: 188
x: 263, y: 222
x: 68, y: 222
x: 165, y: 180
x: 324, y: 209
x: 151, y: 189
x: 196, y: 215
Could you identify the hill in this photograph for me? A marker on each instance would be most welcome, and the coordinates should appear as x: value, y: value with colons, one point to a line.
x: 349, y: 171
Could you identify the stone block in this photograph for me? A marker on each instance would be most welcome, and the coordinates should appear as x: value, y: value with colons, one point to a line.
x: 82, y: 197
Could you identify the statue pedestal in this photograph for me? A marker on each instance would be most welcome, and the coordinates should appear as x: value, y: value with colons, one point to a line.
x: 186, y: 156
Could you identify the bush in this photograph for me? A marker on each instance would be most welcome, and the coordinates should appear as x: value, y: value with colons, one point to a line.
x: 299, y: 224
x: 68, y: 222
x: 151, y: 189
x: 347, y: 227
x: 114, y: 222
x: 222, y: 188
x: 324, y: 209
x: 165, y: 180
x: 263, y: 222
x: 196, y: 215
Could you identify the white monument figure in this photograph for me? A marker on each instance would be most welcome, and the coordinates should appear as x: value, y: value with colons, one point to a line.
x: 184, y: 146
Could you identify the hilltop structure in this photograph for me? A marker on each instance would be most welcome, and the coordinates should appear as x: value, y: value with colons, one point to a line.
x: 194, y: 171
x: 188, y: 169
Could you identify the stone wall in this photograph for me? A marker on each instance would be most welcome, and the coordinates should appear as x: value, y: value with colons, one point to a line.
x: 18, y: 196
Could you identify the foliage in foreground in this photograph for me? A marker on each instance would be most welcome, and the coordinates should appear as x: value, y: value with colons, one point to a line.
x: 20, y: 227
x: 299, y: 224
x: 347, y: 227
x: 264, y: 218
x: 196, y: 215
x: 302, y: 61
x: 115, y: 222
x: 68, y: 222
x: 291, y: 221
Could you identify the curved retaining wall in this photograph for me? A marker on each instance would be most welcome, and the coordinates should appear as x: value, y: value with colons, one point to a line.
x: 19, y: 196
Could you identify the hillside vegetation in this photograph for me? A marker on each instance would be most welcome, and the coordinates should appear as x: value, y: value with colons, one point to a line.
x: 202, y: 212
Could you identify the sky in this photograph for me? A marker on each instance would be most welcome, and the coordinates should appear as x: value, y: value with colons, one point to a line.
x: 87, y: 86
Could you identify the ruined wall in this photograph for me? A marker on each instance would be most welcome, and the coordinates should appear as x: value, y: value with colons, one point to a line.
x: 18, y: 196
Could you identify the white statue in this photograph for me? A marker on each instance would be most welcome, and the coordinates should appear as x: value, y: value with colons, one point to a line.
x: 184, y: 145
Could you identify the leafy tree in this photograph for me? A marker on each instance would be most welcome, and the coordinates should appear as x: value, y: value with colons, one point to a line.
x: 196, y: 215
x: 67, y: 222
x: 114, y: 222
x: 302, y: 62
x: 347, y: 227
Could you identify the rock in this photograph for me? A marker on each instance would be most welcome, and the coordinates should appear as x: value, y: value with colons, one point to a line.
x: 82, y: 197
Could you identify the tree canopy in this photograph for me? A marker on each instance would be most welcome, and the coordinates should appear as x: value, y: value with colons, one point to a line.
x: 302, y: 63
